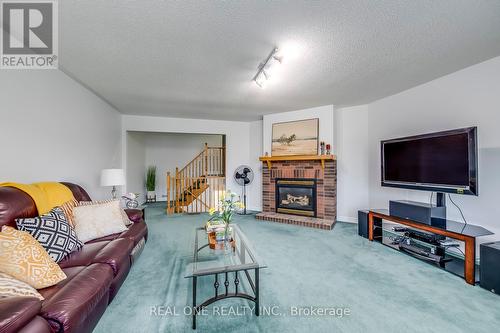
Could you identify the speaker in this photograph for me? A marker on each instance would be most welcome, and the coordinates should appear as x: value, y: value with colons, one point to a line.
x: 363, y: 225
x: 489, y: 254
x: 417, y: 211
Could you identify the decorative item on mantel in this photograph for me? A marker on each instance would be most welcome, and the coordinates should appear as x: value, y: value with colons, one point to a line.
x: 328, y: 149
x: 151, y: 184
x: 218, y: 227
x: 322, y: 147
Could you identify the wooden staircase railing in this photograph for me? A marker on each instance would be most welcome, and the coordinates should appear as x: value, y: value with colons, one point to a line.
x: 198, y: 185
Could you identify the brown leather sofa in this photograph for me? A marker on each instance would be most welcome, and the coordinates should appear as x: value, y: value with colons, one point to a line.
x: 94, y: 274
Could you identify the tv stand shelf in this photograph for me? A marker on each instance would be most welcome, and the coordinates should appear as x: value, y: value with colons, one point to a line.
x: 466, y: 233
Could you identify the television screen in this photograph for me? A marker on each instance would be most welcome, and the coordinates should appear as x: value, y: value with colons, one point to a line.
x: 443, y: 162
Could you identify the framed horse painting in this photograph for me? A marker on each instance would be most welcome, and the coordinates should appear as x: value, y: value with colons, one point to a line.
x: 295, y: 138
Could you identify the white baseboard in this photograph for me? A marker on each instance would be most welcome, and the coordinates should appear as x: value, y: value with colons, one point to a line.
x: 347, y: 219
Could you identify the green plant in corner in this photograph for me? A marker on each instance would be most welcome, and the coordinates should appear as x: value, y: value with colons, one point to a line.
x: 151, y: 182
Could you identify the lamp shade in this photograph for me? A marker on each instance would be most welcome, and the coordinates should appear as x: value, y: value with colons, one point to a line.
x: 112, y: 177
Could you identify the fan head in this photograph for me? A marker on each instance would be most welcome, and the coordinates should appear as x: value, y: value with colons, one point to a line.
x: 243, y: 175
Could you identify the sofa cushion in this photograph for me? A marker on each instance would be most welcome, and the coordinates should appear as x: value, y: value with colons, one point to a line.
x: 115, y: 253
x: 70, y: 272
x: 76, y: 301
x: 15, y: 312
x: 53, y: 232
x: 22, y: 257
x: 118, y: 281
x: 99, y: 220
x: 84, y: 256
x: 36, y: 325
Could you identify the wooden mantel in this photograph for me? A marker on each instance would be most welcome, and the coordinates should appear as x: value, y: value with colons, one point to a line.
x: 321, y: 158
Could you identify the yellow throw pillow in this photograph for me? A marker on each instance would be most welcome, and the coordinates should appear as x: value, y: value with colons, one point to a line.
x: 67, y: 208
x: 22, y: 257
x: 10, y: 287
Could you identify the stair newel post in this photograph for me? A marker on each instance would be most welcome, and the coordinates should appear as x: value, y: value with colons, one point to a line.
x: 183, y: 189
x: 168, y: 192
x: 177, y: 193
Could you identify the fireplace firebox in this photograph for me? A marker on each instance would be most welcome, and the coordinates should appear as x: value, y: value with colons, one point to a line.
x: 296, y: 196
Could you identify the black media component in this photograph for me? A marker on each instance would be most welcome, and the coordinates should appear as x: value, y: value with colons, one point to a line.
x: 490, y: 266
x: 421, y: 253
x: 363, y: 225
x: 418, y: 211
x: 433, y: 239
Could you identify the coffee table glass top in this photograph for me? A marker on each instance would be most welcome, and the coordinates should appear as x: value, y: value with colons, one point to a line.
x: 207, y: 261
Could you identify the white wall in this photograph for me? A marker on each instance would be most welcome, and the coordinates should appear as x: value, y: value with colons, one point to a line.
x: 170, y: 150
x: 470, y: 97
x: 351, y: 142
x: 255, y: 188
x: 54, y: 129
x: 237, y: 138
x: 136, y: 163
x: 324, y: 113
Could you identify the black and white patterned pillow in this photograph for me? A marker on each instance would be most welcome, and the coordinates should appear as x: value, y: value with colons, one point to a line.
x: 53, y: 232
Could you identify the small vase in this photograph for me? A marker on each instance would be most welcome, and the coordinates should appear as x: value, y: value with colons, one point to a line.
x: 227, y: 238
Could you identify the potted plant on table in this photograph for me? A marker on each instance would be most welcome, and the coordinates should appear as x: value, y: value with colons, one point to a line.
x: 227, y: 206
x: 151, y: 184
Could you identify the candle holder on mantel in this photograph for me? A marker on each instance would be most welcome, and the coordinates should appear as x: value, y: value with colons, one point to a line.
x: 322, y: 147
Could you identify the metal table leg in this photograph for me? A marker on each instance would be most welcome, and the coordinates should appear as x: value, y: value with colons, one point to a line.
x: 194, y: 302
x: 257, y: 310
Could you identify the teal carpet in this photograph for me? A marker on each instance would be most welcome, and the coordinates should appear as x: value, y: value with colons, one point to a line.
x: 384, y: 290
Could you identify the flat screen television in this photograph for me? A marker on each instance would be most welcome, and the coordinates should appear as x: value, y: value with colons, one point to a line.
x: 440, y: 162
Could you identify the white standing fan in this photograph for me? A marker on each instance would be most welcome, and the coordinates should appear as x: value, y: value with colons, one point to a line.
x: 243, y: 175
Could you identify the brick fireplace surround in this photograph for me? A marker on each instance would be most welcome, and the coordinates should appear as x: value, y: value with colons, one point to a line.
x: 326, y: 192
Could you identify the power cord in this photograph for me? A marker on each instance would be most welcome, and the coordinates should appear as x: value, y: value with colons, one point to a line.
x: 459, y: 209
x: 432, y: 196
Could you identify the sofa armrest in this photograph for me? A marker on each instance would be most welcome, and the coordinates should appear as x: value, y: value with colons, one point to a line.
x: 135, y: 215
x: 16, y: 312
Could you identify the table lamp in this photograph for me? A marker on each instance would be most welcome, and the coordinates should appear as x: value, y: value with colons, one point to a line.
x: 112, y: 177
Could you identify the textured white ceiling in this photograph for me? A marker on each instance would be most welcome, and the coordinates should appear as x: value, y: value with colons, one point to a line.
x: 196, y: 59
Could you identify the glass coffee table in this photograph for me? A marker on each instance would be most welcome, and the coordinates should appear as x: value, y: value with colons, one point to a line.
x: 227, y: 267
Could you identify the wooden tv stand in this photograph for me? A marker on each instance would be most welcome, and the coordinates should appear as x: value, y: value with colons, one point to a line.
x: 451, y: 229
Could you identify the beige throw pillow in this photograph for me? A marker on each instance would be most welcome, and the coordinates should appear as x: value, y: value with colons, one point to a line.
x: 125, y: 218
x: 22, y: 257
x: 10, y: 287
x: 99, y: 220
